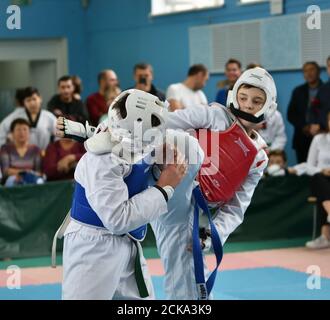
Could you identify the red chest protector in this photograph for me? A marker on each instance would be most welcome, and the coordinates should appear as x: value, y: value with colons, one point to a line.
x: 228, y: 158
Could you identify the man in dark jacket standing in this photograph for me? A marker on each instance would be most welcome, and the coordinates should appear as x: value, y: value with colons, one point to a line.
x: 322, y: 102
x: 301, y: 112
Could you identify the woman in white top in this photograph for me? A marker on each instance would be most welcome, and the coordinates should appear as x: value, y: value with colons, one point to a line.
x: 318, y: 163
x: 42, y: 122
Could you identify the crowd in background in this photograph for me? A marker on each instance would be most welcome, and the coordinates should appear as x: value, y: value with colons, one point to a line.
x: 30, y: 152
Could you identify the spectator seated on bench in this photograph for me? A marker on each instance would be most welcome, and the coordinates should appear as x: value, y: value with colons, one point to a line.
x: 318, y: 163
x: 20, y: 162
x: 61, y: 159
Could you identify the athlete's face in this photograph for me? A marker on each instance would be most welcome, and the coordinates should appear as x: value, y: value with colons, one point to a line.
x: 250, y: 100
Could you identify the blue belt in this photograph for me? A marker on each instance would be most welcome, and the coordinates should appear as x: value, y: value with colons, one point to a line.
x: 204, y: 288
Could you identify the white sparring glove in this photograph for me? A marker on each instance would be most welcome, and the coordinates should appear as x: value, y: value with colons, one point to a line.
x: 75, y: 130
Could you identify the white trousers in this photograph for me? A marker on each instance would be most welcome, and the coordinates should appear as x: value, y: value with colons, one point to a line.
x: 100, y: 266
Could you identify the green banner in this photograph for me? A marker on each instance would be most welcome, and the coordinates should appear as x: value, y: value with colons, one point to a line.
x: 30, y: 215
x: 279, y: 210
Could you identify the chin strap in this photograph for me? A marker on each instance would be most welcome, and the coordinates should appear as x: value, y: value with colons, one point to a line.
x: 246, y: 116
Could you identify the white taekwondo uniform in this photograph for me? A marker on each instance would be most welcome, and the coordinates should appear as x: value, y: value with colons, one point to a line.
x: 98, y: 263
x: 173, y: 230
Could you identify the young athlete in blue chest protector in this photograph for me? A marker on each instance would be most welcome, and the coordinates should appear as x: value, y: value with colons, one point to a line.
x: 112, y: 203
x: 174, y: 232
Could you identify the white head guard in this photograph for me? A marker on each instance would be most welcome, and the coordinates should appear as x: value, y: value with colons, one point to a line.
x: 136, y: 123
x: 260, y: 78
x: 137, y: 120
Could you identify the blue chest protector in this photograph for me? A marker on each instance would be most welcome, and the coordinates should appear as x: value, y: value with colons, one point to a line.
x: 136, y: 182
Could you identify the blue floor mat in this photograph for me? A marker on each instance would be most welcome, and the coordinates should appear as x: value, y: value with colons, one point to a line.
x: 246, y: 284
x: 268, y: 283
x: 37, y: 292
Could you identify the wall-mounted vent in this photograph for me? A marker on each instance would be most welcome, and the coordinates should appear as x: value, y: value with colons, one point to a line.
x: 281, y: 43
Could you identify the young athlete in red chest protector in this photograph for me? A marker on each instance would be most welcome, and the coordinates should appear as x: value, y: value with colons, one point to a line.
x: 234, y: 151
x: 234, y: 156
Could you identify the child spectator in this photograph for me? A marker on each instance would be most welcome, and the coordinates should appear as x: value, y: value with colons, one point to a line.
x: 276, y: 164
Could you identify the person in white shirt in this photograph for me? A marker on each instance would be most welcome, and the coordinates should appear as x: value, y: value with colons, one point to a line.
x: 318, y: 165
x: 273, y: 132
x: 188, y: 93
x: 42, y: 122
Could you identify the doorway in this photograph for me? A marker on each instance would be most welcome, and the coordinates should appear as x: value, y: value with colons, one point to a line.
x: 37, y: 63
